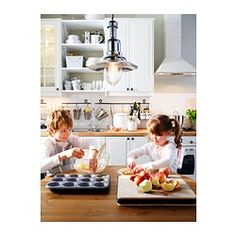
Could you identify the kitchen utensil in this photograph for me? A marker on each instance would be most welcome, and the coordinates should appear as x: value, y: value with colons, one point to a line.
x: 101, y: 150
x: 77, y: 113
x: 101, y: 113
x: 120, y: 120
x: 87, y: 113
x: 129, y: 194
x: 79, y: 183
x: 179, y: 118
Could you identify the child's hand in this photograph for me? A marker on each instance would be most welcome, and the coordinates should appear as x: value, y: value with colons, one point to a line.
x: 93, y: 164
x: 74, y: 152
x: 131, y: 165
x: 137, y: 169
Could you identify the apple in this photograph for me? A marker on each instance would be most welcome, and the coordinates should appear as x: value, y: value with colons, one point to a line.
x: 165, y: 170
x: 169, y: 185
x: 161, y: 176
x: 155, y: 182
x: 138, y: 179
x: 145, y: 186
x: 145, y: 174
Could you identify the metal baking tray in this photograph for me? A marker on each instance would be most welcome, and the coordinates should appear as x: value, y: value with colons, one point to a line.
x: 79, y: 183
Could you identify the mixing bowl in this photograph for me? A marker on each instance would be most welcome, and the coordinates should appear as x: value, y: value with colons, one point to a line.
x: 82, y: 165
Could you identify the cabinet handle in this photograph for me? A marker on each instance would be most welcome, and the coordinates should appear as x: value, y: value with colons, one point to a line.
x: 127, y: 89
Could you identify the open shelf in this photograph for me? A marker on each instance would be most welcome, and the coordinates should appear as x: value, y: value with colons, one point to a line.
x: 83, y: 46
x: 83, y: 24
x: 80, y: 70
x: 83, y: 91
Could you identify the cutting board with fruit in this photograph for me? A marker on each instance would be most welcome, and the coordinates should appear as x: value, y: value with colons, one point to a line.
x: 159, y: 189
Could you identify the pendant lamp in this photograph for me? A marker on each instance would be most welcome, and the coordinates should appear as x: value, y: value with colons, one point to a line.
x: 113, y: 64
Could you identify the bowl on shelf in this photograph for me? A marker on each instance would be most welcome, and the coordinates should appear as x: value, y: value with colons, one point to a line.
x: 82, y: 165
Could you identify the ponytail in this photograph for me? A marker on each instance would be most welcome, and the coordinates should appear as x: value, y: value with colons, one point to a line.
x: 177, y: 132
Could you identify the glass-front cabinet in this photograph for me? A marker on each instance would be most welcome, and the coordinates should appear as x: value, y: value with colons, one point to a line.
x: 50, y: 57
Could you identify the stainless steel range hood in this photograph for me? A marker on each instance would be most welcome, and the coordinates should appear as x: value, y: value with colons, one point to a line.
x: 174, y: 65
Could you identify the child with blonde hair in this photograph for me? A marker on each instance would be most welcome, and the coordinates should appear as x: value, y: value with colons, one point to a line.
x: 162, y: 151
x: 61, y: 145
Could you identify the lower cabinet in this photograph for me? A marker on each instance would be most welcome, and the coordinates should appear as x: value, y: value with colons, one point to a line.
x: 118, y: 147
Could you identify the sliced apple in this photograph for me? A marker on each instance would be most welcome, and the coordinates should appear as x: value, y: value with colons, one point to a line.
x: 145, y: 186
x: 169, y: 185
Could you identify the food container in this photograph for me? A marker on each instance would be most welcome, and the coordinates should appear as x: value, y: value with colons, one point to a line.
x: 74, y: 61
x: 79, y: 183
x: 120, y: 120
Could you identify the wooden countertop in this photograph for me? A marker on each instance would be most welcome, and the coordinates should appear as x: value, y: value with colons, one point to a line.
x: 109, y: 133
x: 84, y: 207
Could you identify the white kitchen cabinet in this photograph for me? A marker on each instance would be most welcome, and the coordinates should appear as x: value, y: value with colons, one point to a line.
x: 78, y: 27
x: 119, y: 147
x: 137, y: 142
x: 137, y: 45
x: 100, y: 140
x: 50, y: 57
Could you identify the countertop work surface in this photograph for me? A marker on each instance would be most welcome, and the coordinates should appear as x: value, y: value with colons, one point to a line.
x: 125, y: 133
x: 103, y: 207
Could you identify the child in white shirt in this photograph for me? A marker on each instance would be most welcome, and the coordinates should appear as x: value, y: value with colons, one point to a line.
x: 61, y: 145
x: 162, y: 151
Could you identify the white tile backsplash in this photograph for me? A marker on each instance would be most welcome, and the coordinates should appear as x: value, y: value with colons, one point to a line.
x: 160, y: 103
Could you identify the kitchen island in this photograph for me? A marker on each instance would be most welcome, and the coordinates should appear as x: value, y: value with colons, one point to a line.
x: 103, y: 207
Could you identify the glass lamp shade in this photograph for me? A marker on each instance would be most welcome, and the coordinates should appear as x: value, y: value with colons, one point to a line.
x: 112, y: 73
x: 113, y: 69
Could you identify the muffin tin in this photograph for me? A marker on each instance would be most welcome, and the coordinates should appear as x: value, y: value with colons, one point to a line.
x: 79, y: 183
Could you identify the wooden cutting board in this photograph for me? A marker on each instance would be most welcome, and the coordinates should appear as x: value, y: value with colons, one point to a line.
x: 128, y: 194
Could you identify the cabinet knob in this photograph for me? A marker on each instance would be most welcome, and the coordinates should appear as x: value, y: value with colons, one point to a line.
x: 127, y: 89
x: 132, y: 138
x: 127, y: 138
x: 57, y: 89
x: 131, y: 89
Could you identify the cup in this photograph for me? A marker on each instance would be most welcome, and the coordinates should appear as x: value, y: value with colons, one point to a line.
x: 96, y: 38
x: 76, y: 84
x: 67, y: 85
x: 73, y: 37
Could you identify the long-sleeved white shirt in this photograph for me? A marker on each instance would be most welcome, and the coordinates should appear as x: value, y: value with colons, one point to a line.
x: 160, y: 156
x: 50, y: 149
